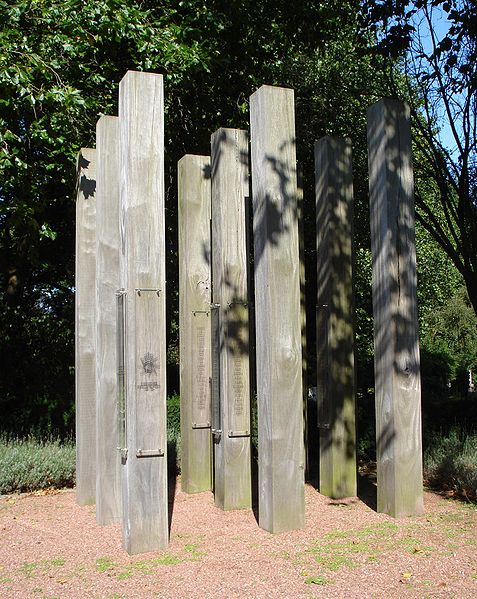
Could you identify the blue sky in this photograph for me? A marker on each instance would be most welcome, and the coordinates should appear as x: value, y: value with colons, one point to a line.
x: 441, y: 26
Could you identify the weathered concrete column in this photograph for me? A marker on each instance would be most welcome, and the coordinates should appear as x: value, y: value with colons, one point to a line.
x: 145, y: 507
x: 108, y: 460
x: 195, y: 295
x: 335, y: 317
x: 277, y: 310
x: 85, y: 324
x: 396, y: 345
x: 230, y: 201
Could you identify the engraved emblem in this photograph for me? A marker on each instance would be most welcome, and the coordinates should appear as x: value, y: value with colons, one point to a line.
x: 149, y: 363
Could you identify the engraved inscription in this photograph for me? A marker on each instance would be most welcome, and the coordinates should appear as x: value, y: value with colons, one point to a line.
x: 238, y: 386
x: 201, y: 375
x: 238, y: 392
x: 148, y: 386
x: 149, y: 413
x: 200, y: 381
x: 149, y: 364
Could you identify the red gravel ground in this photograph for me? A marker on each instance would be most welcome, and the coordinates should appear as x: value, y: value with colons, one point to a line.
x: 50, y: 547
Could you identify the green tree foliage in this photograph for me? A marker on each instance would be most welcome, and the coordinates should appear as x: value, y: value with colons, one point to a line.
x: 440, y: 83
x: 447, y: 321
x: 60, y: 64
x: 451, y: 332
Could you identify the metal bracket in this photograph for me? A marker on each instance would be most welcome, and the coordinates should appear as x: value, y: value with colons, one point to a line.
x: 207, y: 312
x: 121, y: 398
x: 123, y: 451
x: 239, y: 304
x: 139, y: 290
x: 199, y: 426
x: 149, y: 453
x: 239, y: 433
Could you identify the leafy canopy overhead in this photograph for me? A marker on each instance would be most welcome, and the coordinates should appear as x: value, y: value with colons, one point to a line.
x: 437, y: 74
x: 60, y: 66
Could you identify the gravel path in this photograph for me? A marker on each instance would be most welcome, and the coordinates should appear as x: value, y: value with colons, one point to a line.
x: 50, y: 547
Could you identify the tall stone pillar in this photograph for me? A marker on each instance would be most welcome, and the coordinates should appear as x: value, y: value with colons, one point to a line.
x: 145, y: 498
x: 277, y: 310
x: 195, y: 295
x: 108, y: 459
x: 85, y: 325
x: 335, y: 317
x: 396, y: 343
x: 230, y: 202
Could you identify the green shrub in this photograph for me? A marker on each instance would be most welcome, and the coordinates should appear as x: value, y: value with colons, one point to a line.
x: 173, y: 415
x: 173, y: 433
x: 31, y: 463
x: 450, y: 463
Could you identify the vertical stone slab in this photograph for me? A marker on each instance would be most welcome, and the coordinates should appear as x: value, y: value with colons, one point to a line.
x: 194, y: 322
x: 335, y: 317
x: 230, y: 200
x: 396, y: 345
x: 85, y: 324
x: 145, y: 506
x: 277, y: 310
x: 108, y: 459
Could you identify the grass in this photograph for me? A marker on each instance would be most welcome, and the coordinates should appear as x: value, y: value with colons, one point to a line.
x: 107, y: 565
x: 32, y: 569
x: 340, y: 549
x: 147, y: 566
x: 29, y: 569
x: 320, y: 580
x: 193, y: 551
x: 355, y: 548
x: 103, y: 564
x: 32, y: 463
x: 123, y: 572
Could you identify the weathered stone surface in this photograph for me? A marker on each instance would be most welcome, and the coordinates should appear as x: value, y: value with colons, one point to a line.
x: 277, y: 310
x: 108, y: 459
x: 335, y: 317
x: 85, y: 324
x: 145, y: 501
x: 194, y: 322
x: 396, y: 345
x: 230, y: 202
